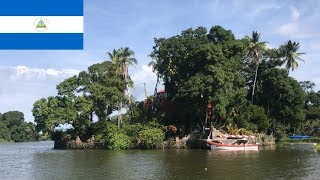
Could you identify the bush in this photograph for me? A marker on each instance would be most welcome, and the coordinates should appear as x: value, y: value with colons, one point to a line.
x: 253, y: 118
x: 151, y: 138
x: 104, y: 130
x: 278, y: 130
x: 108, y: 132
x: 119, y: 141
x: 133, y: 130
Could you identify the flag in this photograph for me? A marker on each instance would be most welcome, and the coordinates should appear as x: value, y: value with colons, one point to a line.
x: 45, y: 24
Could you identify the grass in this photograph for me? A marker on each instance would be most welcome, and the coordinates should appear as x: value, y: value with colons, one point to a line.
x: 318, y: 147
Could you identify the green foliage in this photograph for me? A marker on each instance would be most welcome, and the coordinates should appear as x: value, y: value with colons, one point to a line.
x: 151, y: 138
x: 4, y: 132
x: 290, y: 54
x: 119, y: 141
x: 253, y: 118
x: 96, y: 91
x: 197, y: 67
x: 13, y: 128
x: 311, y: 128
x: 256, y: 50
x: 108, y: 132
x: 23, y: 133
x: 235, y: 130
x: 278, y: 130
x: 133, y: 130
x: 12, y: 118
x: 103, y: 129
x: 282, y: 98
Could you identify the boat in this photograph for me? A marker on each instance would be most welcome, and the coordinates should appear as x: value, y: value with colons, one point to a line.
x: 299, y: 137
x: 233, y: 142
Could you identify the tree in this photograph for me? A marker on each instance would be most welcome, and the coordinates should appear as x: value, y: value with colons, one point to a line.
x: 93, y: 92
x: 290, y: 54
x: 307, y: 86
x: 12, y: 118
x: 282, y: 98
x: 13, y: 128
x: 51, y: 112
x: 198, y: 67
x: 122, y: 58
x: 5, y: 134
x: 23, y: 133
x: 256, y: 49
x: 253, y: 118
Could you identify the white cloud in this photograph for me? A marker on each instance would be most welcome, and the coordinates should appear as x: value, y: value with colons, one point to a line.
x: 297, y: 30
x: 295, y: 13
x: 315, y: 46
x: 21, y: 86
x: 264, y: 7
x: 142, y: 75
x: 24, y: 72
x: 287, y: 29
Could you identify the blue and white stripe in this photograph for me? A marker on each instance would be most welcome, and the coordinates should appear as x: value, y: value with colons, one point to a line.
x: 64, y: 22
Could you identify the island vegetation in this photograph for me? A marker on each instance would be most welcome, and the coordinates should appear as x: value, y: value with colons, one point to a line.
x: 13, y: 128
x: 238, y: 86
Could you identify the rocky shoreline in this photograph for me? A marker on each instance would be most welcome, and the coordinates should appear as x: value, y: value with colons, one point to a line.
x: 191, y: 141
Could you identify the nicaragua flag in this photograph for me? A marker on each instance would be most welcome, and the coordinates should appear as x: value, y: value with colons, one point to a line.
x: 41, y: 24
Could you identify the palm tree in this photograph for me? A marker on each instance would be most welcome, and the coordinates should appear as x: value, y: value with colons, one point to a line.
x: 154, y: 65
x: 114, y: 56
x: 290, y: 54
x: 123, y: 59
x: 255, y: 52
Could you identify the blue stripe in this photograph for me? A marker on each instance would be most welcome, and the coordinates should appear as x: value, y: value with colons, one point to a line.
x: 41, y: 7
x: 41, y: 41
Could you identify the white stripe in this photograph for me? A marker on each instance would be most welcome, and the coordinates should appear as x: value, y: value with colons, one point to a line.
x: 55, y: 24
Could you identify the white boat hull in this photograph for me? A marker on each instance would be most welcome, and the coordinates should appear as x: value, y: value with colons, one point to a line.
x: 242, y: 147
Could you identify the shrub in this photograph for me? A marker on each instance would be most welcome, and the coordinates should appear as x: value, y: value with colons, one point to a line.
x: 151, y: 138
x: 278, y: 130
x: 108, y: 132
x: 119, y: 141
x: 253, y: 118
x: 133, y: 130
x: 104, y: 130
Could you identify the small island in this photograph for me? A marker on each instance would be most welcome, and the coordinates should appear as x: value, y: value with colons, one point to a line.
x: 210, y: 79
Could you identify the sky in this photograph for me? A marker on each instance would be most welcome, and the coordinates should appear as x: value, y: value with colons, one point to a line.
x: 26, y: 76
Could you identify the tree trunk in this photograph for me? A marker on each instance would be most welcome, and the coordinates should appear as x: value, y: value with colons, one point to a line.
x: 254, y: 83
x: 119, y: 114
x: 268, y: 109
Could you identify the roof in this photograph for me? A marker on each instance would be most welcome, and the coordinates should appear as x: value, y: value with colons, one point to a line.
x: 299, y: 137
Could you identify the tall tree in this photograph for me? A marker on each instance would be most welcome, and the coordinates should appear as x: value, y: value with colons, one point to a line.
x: 154, y: 64
x: 126, y: 60
x: 256, y: 49
x: 123, y: 58
x: 197, y: 66
x: 290, y: 54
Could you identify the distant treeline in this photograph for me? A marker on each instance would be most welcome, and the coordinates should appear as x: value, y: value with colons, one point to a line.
x: 14, y: 128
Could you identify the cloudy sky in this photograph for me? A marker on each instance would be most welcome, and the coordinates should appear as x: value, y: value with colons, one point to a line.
x: 26, y: 76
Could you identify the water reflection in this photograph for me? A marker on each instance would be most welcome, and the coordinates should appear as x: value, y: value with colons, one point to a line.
x: 40, y: 161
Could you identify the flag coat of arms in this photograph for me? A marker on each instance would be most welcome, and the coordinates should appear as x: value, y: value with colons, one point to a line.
x: 46, y: 24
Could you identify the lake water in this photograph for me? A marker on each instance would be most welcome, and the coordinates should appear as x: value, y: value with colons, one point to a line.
x: 40, y: 161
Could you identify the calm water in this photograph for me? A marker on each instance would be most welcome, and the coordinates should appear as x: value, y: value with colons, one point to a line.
x: 40, y: 161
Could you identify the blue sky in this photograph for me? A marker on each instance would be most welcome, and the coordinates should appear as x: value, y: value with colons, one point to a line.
x: 26, y: 76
